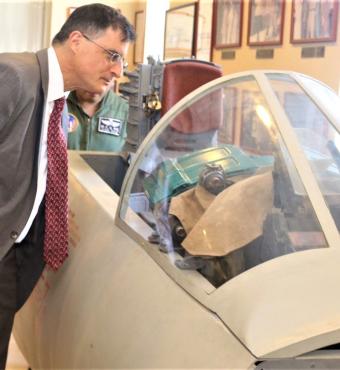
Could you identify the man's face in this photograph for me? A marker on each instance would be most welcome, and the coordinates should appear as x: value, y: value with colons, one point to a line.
x: 94, y: 70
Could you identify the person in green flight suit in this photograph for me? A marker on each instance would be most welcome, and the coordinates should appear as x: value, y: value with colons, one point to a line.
x: 96, y: 121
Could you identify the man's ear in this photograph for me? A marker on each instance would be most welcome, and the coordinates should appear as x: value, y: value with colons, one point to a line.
x: 75, y: 40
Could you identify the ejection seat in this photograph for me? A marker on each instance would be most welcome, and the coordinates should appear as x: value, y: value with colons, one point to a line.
x: 196, y: 126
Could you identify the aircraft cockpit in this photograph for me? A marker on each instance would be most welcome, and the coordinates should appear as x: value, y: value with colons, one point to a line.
x: 222, y: 201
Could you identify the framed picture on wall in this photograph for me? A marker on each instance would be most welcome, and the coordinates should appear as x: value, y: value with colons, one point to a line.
x: 314, y: 21
x: 266, y: 19
x: 138, y: 51
x: 180, y: 32
x: 227, y: 23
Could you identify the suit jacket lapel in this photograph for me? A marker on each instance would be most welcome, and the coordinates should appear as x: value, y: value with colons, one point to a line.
x: 43, y: 63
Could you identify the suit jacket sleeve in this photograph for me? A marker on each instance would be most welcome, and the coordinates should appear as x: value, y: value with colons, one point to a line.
x: 9, y: 94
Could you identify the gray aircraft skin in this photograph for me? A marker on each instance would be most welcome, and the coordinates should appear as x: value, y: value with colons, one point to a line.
x: 192, y: 263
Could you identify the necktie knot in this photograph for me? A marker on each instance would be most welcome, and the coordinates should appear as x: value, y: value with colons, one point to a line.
x: 59, y: 104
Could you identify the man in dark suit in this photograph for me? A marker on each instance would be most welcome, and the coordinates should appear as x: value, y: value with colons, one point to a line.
x: 87, y: 53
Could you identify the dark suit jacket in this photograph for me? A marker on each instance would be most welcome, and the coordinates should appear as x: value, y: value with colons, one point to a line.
x: 23, y: 90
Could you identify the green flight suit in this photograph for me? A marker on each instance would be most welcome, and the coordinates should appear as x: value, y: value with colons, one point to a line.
x: 105, y: 131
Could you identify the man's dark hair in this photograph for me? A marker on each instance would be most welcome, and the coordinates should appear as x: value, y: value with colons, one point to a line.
x: 93, y: 19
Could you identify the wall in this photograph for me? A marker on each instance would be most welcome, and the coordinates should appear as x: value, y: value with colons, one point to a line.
x: 154, y: 29
x: 286, y: 57
x: 175, y: 3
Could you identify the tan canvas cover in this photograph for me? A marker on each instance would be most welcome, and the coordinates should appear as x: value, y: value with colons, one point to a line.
x: 233, y: 219
x: 189, y: 206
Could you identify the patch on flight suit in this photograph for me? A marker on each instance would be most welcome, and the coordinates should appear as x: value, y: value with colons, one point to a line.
x: 73, y: 122
x: 110, y: 126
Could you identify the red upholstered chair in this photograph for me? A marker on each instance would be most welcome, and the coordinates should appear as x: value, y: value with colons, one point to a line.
x: 201, y: 119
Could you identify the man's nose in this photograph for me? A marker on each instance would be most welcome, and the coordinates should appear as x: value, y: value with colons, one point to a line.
x: 117, y: 69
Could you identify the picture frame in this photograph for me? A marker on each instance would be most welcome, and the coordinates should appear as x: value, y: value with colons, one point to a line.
x: 314, y: 21
x: 265, y: 24
x: 227, y: 23
x: 180, y: 32
x: 138, y: 48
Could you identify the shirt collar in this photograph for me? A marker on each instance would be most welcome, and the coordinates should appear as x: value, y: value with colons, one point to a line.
x: 56, y: 81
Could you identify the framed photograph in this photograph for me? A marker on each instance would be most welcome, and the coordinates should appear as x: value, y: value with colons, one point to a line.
x: 227, y: 23
x: 314, y: 21
x: 138, y: 50
x: 266, y: 19
x: 180, y: 32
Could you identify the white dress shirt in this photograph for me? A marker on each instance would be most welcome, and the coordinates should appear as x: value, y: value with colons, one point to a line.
x: 55, y: 91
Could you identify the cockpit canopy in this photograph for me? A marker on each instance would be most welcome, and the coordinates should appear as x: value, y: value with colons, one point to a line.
x: 221, y: 200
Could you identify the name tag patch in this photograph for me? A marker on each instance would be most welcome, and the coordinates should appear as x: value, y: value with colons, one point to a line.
x: 110, y: 126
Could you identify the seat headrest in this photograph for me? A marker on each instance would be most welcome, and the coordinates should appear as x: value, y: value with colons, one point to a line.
x: 179, y: 79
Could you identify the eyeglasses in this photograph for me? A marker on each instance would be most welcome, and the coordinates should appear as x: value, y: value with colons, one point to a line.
x: 113, y: 56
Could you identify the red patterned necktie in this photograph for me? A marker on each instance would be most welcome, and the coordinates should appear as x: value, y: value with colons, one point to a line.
x: 56, y: 197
